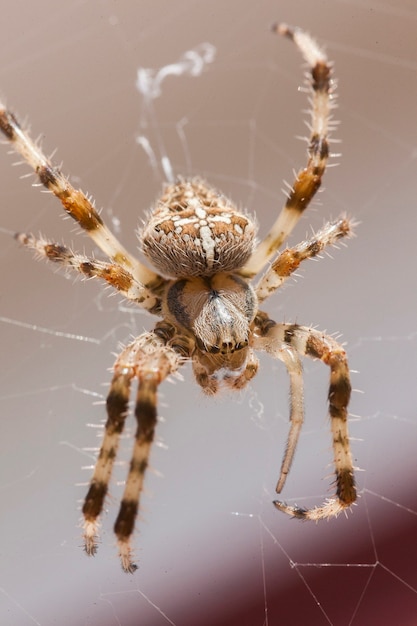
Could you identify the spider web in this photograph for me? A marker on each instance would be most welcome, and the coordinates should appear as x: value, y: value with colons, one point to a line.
x: 222, y: 103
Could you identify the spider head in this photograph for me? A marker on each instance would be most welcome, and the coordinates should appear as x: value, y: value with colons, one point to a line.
x: 218, y: 310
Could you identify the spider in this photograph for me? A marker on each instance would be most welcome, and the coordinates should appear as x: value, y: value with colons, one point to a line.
x: 205, y: 254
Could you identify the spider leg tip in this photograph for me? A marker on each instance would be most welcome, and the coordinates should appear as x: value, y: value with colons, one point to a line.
x: 280, y: 28
x: 125, y: 554
x: 90, y: 547
x: 90, y: 538
x: 293, y: 511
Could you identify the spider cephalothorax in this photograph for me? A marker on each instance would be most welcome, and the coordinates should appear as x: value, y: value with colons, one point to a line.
x: 217, y: 309
x: 197, y: 235
x: 206, y: 254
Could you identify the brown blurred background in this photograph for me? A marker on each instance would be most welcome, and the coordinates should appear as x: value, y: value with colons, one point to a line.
x: 211, y: 548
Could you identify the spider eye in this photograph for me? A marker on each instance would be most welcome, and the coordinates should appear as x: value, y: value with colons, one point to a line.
x: 227, y: 347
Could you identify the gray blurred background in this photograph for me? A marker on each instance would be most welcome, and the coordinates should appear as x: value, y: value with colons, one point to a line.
x: 210, y: 545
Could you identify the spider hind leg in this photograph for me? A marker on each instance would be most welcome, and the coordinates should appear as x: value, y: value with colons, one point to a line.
x: 150, y: 361
x: 278, y: 339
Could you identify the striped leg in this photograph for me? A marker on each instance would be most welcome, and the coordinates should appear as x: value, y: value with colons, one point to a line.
x: 74, y: 201
x: 280, y: 338
x: 308, y: 179
x: 117, y: 410
x: 290, y: 259
x: 150, y: 361
x: 113, y: 273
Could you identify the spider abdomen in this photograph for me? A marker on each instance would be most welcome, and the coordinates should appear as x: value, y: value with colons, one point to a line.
x: 194, y: 231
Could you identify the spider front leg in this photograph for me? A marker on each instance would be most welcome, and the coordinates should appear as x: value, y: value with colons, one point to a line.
x: 308, y: 179
x: 80, y: 207
x: 279, y: 339
x: 149, y: 360
x: 289, y: 260
x: 114, y: 274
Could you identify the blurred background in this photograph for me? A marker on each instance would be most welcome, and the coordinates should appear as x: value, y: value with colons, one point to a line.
x: 211, y: 547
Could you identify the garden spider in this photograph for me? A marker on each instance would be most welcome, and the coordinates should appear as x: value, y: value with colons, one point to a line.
x: 205, y: 252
